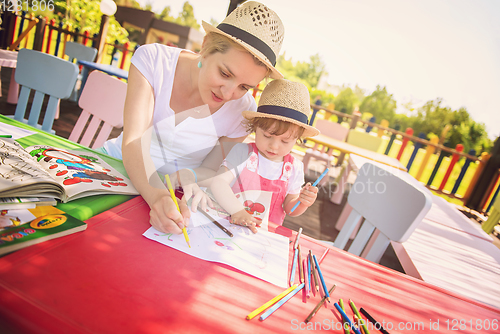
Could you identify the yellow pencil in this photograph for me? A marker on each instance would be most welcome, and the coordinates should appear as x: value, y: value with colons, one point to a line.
x: 271, y: 302
x: 172, y: 193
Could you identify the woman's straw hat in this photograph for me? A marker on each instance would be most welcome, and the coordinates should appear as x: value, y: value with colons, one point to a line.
x: 257, y: 28
x: 287, y: 101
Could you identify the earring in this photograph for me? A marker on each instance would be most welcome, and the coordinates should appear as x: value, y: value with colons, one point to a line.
x: 199, y: 64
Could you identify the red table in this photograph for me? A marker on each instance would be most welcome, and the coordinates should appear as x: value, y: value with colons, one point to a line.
x: 111, y: 279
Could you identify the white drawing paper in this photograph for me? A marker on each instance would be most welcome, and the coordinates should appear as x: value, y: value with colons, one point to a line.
x: 263, y: 255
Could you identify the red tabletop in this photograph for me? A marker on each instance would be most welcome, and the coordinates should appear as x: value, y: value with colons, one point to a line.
x: 111, y: 279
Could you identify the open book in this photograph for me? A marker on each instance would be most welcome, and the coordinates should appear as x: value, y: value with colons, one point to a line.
x: 44, y: 171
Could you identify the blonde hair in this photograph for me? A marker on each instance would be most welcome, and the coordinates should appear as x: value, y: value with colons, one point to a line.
x: 274, y: 126
x: 215, y: 42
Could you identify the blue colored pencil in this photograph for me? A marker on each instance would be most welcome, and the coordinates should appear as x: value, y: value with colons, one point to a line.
x: 325, y: 290
x: 309, y: 273
x: 346, y: 318
x: 294, y: 264
x: 281, y: 302
x: 314, y: 185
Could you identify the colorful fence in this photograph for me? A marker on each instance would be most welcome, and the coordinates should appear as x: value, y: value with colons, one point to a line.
x: 439, y: 173
x: 25, y: 31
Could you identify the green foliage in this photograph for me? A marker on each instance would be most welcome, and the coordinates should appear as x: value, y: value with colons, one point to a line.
x: 432, y: 117
x: 346, y: 101
x: 85, y: 16
x: 308, y: 73
x: 380, y: 104
x: 185, y: 17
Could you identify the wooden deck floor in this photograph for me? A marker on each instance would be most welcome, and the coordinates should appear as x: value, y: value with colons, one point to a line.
x: 318, y: 221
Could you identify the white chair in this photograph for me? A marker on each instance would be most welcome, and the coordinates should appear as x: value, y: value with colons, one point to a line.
x: 46, y: 75
x: 391, y: 203
x: 330, y: 129
x: 76, y: 51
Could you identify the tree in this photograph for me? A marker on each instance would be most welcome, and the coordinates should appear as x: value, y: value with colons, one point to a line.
x: 380, y: 104
x: 346, y: 101
x: 308, y: 72
x: 186, y: 17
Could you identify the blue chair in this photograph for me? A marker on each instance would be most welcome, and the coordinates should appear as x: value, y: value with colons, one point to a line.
x: 46, y: 75
x: 76, y: 51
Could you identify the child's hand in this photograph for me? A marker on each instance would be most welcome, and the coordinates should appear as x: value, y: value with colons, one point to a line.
x: 243, y: 218
x: 308, y: 195
x: 198, y: 196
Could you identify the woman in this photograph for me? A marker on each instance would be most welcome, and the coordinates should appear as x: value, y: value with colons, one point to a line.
x: 183, y: 110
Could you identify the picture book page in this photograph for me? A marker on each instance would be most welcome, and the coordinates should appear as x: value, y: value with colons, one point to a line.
x: 80, y: 172
x: 263, y: 255
x: 18, y: 168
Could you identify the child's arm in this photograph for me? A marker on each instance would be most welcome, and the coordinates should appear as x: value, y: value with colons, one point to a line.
x: 224, y: 195
x: 306, y: 197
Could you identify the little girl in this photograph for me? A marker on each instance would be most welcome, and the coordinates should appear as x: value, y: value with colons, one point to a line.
x: 267, y: 165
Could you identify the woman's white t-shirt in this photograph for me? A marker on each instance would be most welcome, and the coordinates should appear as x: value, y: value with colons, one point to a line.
x: 187, y: 144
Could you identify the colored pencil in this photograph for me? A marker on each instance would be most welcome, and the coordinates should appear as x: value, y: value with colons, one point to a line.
x: 355, y: 310
x: 294, y: 264
x: 313, y: 312
x: 323, y: 256
x: 341, y: 303
x: 306, y: 279
x: 216, y: 223
x: 318, y: 269
x: 314, y: 185
x: 172, y: 194
x: 5, y: 136
x: 296, y: 244
x: 377, y: 324
x: 309, y: 277
x: 301, y: 267
x: 346, y: 318
x: 314, y: 272
x: 252, y: 314
x: 281, y: 302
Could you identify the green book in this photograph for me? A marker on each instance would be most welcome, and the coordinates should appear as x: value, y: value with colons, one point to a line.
x: 50, y: 223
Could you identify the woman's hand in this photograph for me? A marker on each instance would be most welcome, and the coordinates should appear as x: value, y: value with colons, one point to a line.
x: 243, y: 218
x: 164, y: 215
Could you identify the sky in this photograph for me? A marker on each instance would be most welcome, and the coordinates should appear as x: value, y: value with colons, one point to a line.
x: 420, y: 50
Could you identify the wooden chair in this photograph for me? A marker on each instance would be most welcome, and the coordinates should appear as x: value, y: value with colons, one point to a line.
x: 330, y: 129
x: 46, y: 75
x: 76, y: 51
x: 391, y: 203
x: 103, y: 98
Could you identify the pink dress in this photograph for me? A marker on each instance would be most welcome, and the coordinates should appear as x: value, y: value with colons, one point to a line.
x: 249, y: 179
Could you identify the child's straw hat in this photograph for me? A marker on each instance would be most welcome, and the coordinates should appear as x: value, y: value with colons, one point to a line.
x: 287, y: 101
x: 258, y: 29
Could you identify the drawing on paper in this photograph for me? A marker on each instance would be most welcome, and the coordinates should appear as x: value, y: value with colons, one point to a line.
x: 264, y: 254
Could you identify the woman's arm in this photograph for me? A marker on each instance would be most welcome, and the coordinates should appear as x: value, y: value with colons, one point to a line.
x: 205, y: 173
x: 137, y: 129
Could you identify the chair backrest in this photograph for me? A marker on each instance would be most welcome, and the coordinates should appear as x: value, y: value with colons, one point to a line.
x: 331, y: 129
x: 46, y: 75
x: 103, y: 97
x: 364, y: 140
x: 389, y: 201
x: 79, y: 51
